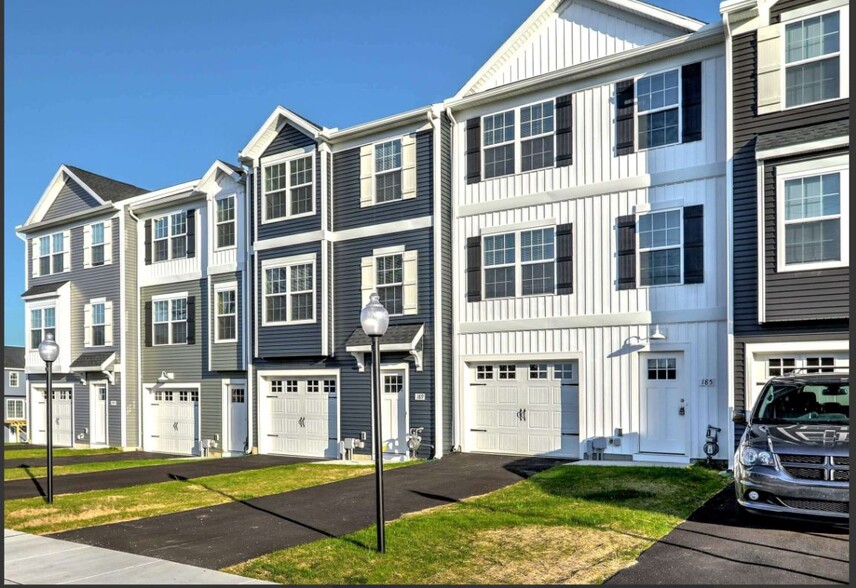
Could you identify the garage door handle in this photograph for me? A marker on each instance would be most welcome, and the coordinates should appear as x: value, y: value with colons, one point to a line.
x: 524, y: 414
x: 520, y: 414
x: 479, y: 430
x: 570, y: 434
x: 175, y: 426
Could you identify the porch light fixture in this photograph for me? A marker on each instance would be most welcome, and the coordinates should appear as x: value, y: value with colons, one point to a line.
x: 655, y: 336
x: 49, y: 351
x: 374, y: 319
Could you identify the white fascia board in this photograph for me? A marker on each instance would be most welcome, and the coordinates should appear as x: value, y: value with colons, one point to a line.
x: 363, y: 129
x: 222, y: 167
x: 140, y: 201
x: 801, y: 148
x: 79, y: 218
x: 257, y: 145
x: 83, y: 185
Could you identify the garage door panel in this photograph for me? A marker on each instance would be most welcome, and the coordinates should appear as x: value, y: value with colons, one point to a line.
x: 539, y: 395
x: 507, y: 395
x: 506, y: 418
x: 173, y: 421
x: 508, y: 443
x: 539, y: 419
x: 299, y: 416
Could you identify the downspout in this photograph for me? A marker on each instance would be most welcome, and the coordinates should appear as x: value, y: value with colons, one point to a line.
x: 437, y: 227
x: 245, y: 288
x: 729, y: 238
x: 456, y: 368
x: 139, y: 391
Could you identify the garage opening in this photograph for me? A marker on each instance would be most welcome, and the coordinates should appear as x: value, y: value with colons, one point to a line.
x: 299, y: 416
x: 173, y: 421
x: 63, y: 433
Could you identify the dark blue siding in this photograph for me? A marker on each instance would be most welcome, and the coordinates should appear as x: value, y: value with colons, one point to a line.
x: 287, y: 226
x: 288, y: 138
x: 445, y: 223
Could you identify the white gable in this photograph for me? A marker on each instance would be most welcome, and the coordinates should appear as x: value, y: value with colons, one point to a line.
x: 563, y: 33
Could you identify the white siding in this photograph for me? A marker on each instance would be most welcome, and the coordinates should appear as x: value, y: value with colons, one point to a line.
x: 230, y: 259
x: 181, y: 269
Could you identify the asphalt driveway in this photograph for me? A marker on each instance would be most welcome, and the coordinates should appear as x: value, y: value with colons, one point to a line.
x: 219, y: 536
x: 40, y: 462
x: 716, y: 546
x: 123, y: 478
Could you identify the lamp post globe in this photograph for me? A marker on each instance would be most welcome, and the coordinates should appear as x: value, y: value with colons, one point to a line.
x: 49, y: 351
x: 374, y: 317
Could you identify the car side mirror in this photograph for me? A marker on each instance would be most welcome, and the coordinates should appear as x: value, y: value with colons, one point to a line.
x: 739, y: 416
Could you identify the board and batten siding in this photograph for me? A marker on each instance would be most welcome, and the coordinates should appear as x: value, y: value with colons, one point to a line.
x: 226, y: 356
x: 71, y: 198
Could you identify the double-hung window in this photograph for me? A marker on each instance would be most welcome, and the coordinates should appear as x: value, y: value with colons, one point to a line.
x: 390, y: 283
x: 52, y: 251
x: 98, y: 324
x: 288, y: 189
x: 97, y: 247
x: 498, y: 141
x: 42, y: 322
x: 537, y: 259
x: 536, y: 134
x: 14, y: 408
x: 660, y: 248
x: 499, y: 265
x: 529, y: 254
x: 226, y: 325
x: 658, y: 109
x: 225, y: 222
x: 813, y: 60
x: 14, y: 379
x: 170, y: 321
x: 387, y: 158
x: 532, y: 127
x: 289, y: 292
x: 170, y: 236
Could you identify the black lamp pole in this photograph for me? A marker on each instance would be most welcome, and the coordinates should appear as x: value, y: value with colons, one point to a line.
x: 49, y: 365
x: 378, y: 442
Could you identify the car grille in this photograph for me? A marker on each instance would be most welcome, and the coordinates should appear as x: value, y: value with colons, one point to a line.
x: 841, y: 475
x: 818, y: 505
x: 795, y: 458
x: 806, y: 473
x: 815, y: 467
x: 841, y: 461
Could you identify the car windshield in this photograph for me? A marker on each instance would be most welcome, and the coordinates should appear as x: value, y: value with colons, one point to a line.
x: 782, y: 403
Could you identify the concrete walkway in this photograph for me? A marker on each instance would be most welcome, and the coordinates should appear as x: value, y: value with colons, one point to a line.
x: 26, y: 562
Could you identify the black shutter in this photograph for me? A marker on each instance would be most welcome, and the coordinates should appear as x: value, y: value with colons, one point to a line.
x: 191, y: 320
x: 473, y: 269
x: 191, y: 232
x: 473, y: 150
x: 564, y: 130
x: 691, y: 99
x: 625, y: 129
x: 694, y: 244
x: 147, y: 323
x: 626, y: 226
x: 565, y: 259
x: 148, y: 229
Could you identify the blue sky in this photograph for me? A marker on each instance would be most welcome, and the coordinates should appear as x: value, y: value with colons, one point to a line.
x: 152, y: 92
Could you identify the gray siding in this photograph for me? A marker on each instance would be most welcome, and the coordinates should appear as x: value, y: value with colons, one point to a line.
x: 447, y: 275
x: 9, y: 391
x: 289, y: 138
x: 227, y: 356
x: 132, y: 334
x: 71, y: 198
x: 281, y: 228
x: 346, y: 190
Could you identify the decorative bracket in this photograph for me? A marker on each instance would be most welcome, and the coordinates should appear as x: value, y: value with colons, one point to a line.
x: 360, y: 356
x: 417, y: 358
x: 111, y: 376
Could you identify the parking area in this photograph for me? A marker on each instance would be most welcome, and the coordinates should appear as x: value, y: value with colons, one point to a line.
x: 716, y: 546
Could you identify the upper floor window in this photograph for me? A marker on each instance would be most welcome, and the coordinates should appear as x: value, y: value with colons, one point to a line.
x: 42, y: 322
x: 52, y: 251
x: 812, y: 60
x: 14, y: 379
x: 658, y: 109
x: 536, y: 134
x: 388, y: 171
x: 14, y: 408
x: 226, y: 324
x: 98, y: 324
x: 498, y: 141
x: 97, y: 243
x: 531, y: 126
x: 170, y: 321
x: 530, y: 254
x: 288, y: 189
x: 660, y: 239
x: 390, y: 283
x: 170, y: 236
x: 289, y: 292
x: 225, y: 222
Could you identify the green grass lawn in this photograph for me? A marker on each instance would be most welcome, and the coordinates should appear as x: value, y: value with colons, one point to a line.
x: 82, y: 468
x: 576, y: 524
x: 98, y: 507
x: 41, y: 453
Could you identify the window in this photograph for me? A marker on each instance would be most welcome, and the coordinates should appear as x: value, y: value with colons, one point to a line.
x: 563, y: 371
x: 227, y: 318
x: 388, y: 171
x: 225, y: 222
x: 658, y: 109
x: 660, y: 238
x: 14, y: 408
x: 291, y: 386
x: 52, y: 250
x: 498, y: 142
x: 313, y: 386
x: 390, y: 283
x: 276, y: 386
x: 289, y: 294
x: 484, y: 372
x: 815, y: 365
x: 662, y: 369
x: 812, y: 219
x: 238, y: 396
x: 170, y: 321
x: 98, y: 324
x: 393, y: 384
x: 14, y: 379
x: 536, y: 133
x: 96, y: 233
x: 507, y: 372
x: 779, y: 366
x: 329, y: 386
x: 535, y: 263
x: 288, y: 189
x: 538, y: 371
x: 170, y: 238
x: 812, y: 60
x: 42, y: 322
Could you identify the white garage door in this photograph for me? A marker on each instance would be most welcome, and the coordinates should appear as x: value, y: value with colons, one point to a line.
x: 771, y: 364
x: 299, y: 417
x: 173, y: 421
x: 525, y: 409
x: 62, y: 417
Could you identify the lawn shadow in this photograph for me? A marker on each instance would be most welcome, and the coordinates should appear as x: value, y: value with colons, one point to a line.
x: 42, y: 492
x: 246, y: 503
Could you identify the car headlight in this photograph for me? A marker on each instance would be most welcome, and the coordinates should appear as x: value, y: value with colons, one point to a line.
x: 751, y: 456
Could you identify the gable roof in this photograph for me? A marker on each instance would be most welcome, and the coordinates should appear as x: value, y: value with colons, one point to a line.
x: 13, y: 357
x: 539, y: 18
x: 274, y: 123
x: 107, y: 188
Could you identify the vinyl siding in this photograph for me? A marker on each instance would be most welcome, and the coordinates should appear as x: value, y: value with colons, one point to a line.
x: 132, y: 333
x: 287, y: 139
x: 20, y: 390
x: 71, y: 198
x: 227, y: 356
x: 447, y: 276
x: 281, y: 228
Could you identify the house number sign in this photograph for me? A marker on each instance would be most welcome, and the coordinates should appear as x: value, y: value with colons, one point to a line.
x: 707, y: 382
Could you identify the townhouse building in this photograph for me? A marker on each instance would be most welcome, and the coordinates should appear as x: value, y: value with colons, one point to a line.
x: 788, y: 141
x: 589, y: 237
x: 14, y: 395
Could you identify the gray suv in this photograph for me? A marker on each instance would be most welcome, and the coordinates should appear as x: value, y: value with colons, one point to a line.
x: 794, y: 457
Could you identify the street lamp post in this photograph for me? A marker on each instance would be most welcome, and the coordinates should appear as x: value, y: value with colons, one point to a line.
x: 49, y: 351
x: 374, y: 319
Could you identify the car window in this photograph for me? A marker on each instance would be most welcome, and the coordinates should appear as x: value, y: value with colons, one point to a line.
x: 804, y: 403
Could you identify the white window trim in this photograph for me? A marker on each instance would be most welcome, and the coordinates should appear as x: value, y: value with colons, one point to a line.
x: 23, y: 405
x: 217, y: 223
x: 286, y: 159
x: 637, y: 114
x: 92, y: 244
x: 400, y: 284
x: 170, y: 235
x: 225, y: 287
x: 517, y: 141
x: 800, y: 171
x: 66, y: 237
x: 168, y: 298
x: 518, y: 262
x: 17, y: 383
x: 399, y: 169
x: 639, y: 248
x: 92, y: 324
x: 41, y: 308
x: 844, y: 55
x: 289, y: 262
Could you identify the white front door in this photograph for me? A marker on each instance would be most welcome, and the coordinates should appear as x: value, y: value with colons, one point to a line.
x: 394, y: 411
x: 173, y: 421
x: 525, y: 409
x: 663, y: 404
x: 98, y: 415
x: 237, y: 398
x: 299, y: 416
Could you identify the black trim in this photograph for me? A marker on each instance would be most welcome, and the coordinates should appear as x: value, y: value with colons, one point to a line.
x: 191, y: 232
x: 473, y: 150
x: 148, y: 231
x: 626, y: 229
x: 564, y: 130
x: 191, y: 320
x: 147, y: 323
x: 691, y: 99
x: 473, y: 269
x: 625, y: 125
x: 694, y: 244
x: 565, y: 259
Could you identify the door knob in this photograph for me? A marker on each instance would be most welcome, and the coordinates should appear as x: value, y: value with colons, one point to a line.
x: 683, y: 409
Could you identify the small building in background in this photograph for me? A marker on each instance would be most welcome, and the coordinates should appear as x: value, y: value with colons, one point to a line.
x: 14, y: 392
